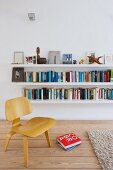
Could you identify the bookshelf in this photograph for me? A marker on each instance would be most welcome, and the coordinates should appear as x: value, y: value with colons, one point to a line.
x: 64, y: 67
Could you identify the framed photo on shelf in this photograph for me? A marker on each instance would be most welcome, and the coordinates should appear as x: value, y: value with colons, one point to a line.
x: 18, y: 57
x: 54, y: 57
x: 108, y: 59
x: 18, y: 75
x: 67, y: 58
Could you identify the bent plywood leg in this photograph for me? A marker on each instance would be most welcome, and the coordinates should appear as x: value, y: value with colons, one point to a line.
x: 8, y: 138
x: 25, y: 151
x: 47, y: 138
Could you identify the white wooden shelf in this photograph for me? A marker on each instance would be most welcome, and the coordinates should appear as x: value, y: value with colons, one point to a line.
x: 65, y: 67
x: 62, y: 66
x: 71, y: 101
x: 61, y: 84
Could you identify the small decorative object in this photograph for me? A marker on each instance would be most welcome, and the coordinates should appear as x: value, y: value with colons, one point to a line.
x: 81, y: 61
x: 89, y: 53
x: 26, y: 61
x: 54, y: 57
x: 18, y: 75
x: 34, y: 58
x: 93, y: 60
x: 38, y: 55
x: 108, y: 59
x: 102, y: 59
x: 74, y: 61
x: 31, y: 16
x: 40, y: 60
x: 67, y: 58
x: 31, y: 60
x: 18, y: 57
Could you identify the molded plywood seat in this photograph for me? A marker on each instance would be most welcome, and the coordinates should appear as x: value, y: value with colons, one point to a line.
x: 15, y: 109
x: 34, y: 127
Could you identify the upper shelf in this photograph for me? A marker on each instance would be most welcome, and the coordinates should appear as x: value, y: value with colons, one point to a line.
x: 62, y: 65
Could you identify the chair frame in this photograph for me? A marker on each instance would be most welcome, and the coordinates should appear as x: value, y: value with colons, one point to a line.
x: 16, y: 123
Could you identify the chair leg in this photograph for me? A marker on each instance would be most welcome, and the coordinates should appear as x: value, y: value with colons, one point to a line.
x: 26, y: 151
x: 8, y: 138
x: 47, y: 138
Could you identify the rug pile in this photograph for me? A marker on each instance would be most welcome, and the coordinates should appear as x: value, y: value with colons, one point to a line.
x: 102, y: 142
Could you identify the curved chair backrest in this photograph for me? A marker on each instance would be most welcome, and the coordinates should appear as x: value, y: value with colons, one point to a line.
x: 17, y: 107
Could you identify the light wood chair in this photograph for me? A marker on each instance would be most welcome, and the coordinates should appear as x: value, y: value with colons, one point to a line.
x: 15, y: 109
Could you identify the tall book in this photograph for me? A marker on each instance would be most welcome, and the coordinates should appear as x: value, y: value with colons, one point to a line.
x: 34, y: 76
x: 73, y: 76
x: 111, y: 79
x: 67, y: 76
x: 64, y: 76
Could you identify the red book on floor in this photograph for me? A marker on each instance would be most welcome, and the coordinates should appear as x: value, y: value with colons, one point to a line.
x: 68, y: 140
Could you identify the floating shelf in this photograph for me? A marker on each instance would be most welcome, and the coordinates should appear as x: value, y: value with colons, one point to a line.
x: 61, y: 84
x: 65, y: 84
x: 71, y: 101
x: 62, y: 65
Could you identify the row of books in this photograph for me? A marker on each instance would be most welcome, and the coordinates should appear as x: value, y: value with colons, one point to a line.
x: 104, y: 93
x: 70, y: 94
x: 71, y: 76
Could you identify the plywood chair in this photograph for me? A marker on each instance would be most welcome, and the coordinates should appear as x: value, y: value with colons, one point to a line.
x: 15, y: 109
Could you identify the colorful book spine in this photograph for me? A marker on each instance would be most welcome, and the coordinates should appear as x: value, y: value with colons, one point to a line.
x: 102, y: 76
x: 70, y: 76
x: 64, y: 76
x: 34, y: 76
x: 73, y: 76
x: 40, y: 77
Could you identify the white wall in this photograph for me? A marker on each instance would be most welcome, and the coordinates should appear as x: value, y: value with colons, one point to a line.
x: 74, y: 26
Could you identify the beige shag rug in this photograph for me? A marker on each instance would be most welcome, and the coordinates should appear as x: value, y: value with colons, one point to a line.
x: 102, y: 141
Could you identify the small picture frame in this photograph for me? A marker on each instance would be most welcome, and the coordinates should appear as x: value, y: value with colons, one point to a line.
x: 67, y: 58
x: 54, y: 57
x: 108, y: 59
x: 74, y: 61
x: 18, y: 57
x: 18, y: 74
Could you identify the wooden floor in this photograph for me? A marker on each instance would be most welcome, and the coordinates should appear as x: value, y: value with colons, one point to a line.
x: 44, y: 158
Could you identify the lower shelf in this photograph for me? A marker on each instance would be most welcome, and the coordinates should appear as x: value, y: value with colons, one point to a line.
x: 71, y: 101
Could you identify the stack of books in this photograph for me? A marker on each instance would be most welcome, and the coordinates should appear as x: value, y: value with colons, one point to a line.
x: 68, y: 141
